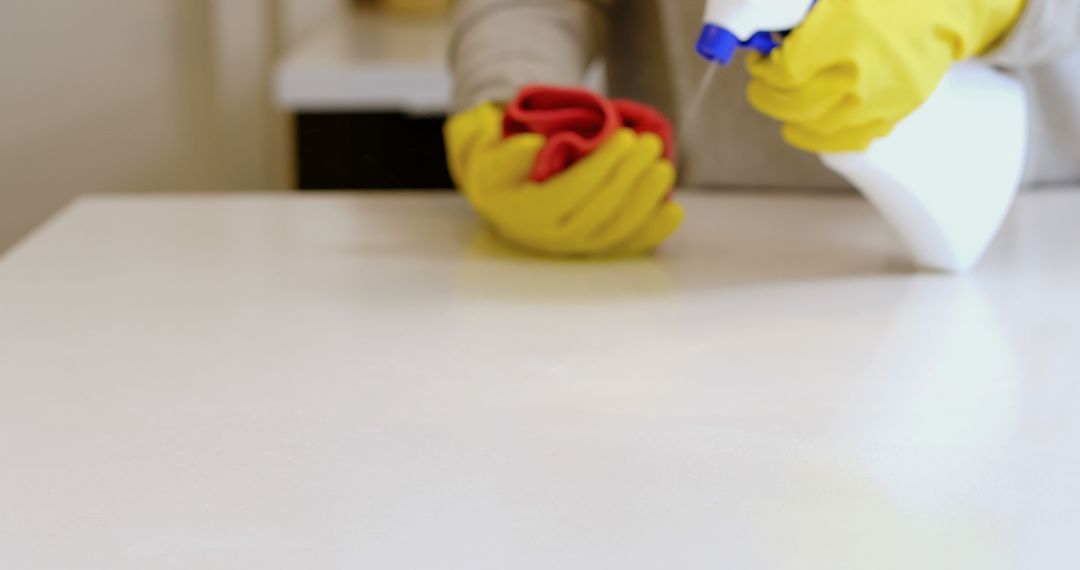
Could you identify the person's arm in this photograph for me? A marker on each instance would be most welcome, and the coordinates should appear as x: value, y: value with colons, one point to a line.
x: 1047, y: 29
x: 500, y: 45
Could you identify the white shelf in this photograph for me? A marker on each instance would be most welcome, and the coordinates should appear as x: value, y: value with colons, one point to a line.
x: 371, y: 61
x: 375, y: 61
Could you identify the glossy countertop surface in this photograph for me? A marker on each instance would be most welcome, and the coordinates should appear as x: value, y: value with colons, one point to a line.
x: 336, y: 381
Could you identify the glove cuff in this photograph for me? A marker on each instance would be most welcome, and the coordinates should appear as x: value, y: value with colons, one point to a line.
x: 998, y: 20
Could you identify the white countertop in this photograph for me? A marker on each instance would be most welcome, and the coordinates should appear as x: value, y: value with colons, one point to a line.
x: 341, y: 381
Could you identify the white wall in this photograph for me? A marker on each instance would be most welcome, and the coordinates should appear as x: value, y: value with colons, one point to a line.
x: 299, y: 18
x: 140, y: 95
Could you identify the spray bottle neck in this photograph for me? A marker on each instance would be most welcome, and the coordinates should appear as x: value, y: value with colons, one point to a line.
x: 719, y: 44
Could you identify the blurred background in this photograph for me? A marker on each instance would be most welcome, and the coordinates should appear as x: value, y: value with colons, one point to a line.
x: 215, y: 95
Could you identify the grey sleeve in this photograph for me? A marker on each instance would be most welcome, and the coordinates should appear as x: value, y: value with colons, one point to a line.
x: 500, y: 45
x: 1047, y: 30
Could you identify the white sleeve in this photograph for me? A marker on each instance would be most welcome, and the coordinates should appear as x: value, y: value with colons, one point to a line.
x: 500, y: 45
x: 1046, y: 31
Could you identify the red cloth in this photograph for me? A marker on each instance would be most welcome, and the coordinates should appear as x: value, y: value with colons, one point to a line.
x: 575, y: 122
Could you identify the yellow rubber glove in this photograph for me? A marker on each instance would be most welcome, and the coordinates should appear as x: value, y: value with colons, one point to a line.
x: 855, y: 68
x: 611, y: 203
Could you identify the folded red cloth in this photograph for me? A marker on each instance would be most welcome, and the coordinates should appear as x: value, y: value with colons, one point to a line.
x: 575, y: 122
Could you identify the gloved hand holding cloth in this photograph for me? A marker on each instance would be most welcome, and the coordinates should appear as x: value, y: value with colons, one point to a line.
x: 563, y: 171
x: 855, y: 68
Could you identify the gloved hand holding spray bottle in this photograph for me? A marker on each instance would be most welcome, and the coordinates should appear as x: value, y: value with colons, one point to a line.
x: 946, y: 175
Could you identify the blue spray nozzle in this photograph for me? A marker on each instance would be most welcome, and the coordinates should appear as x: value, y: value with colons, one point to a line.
x: 719, y: 44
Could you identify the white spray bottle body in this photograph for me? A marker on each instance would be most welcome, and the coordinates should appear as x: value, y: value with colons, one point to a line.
x: 947, y: 176
x: 745, y: 18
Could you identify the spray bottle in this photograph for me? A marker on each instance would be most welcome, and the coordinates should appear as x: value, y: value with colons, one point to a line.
x: 947, y: 176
